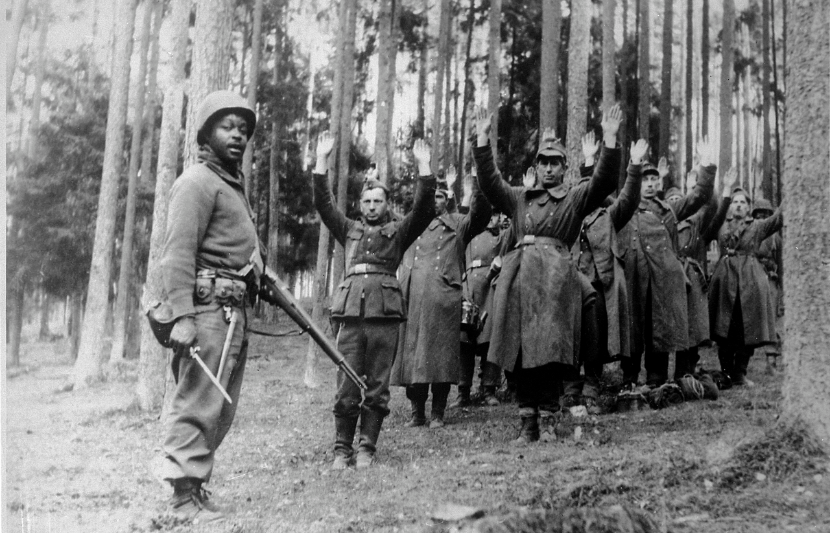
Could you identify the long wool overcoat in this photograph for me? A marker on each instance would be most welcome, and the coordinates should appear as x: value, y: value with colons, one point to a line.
x: 740, y: 276
x: 654, y: 274
x: 476, y: 280
x: 429, y: 344
x: 538, y: 300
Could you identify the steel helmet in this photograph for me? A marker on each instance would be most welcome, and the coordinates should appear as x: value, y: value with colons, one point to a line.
x: 220, y: 103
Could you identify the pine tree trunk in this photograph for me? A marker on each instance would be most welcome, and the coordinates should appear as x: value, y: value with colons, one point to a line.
x: 88, y: 365
x: 387, y: 50
x: 147, y: 174
x: 274, y: 174
x: 806, y: 204
x: 467, y: 95
x: 690, y: 51
x: 152, y: 357
x: 14, y: 307
x: 766, y: 183
x: 494, y: 73
x: 210, y: 62
x: 18, y: 16
x: 446, y: 126
x: 579, y: 48
x: 727, y: 74
x: 665, y: 90
x: 549, y: 82
x: 643, y: 64
x: 423, y: 64
x: 253, y: 82
x: 76, y: 317
x: 45, y: 306
x: 440, y: 74
x: 609, y: 62
x: 125, y: 274
x: 704, y: 71
x: 34, y: 121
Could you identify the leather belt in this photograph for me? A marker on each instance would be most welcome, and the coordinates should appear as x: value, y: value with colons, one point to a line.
x: 538, y: 239
x: 369, y: 268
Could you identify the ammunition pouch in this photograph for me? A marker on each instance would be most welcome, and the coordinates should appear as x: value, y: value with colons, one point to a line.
x: 213, y: 287
x: 160, y: 316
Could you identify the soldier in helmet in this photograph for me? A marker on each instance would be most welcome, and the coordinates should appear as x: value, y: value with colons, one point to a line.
x: 210, y: 266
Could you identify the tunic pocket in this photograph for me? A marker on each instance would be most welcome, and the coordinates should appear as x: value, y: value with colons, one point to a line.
x: 341, y: 294
x: 392, y: 299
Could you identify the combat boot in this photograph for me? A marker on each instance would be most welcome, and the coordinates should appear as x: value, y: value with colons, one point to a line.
x: 439, y: 405
x: 547, y: 426
x: 463, y: 399
x: 530, y: 429
x: 419, y: 415
x: 370, y: 424
x: 344, y: 437
x: 490, y: 396
x: 191, y: 502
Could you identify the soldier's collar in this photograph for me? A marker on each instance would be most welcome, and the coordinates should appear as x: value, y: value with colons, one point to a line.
x: 557, y: 193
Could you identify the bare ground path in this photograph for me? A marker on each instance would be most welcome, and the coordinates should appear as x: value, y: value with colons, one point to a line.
x: 80, y: 461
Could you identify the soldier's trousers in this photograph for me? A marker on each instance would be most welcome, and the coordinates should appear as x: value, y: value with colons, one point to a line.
x: 537, y: 388
x: 200, y: 417
x: 656, y: 363
x: 593, y: 348
x: 733, y: 353
x: 369, y: 347
x: 489, y: 372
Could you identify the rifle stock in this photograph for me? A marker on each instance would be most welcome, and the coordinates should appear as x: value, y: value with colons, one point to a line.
x: 281, y: 296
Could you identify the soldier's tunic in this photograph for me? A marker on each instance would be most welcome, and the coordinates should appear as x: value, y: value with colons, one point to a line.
x: 210, y: 230
x: 769, y: 253
x: 656, y: 281
x: 368, y: 305
x: 538, y: 299
x: 430, y: 276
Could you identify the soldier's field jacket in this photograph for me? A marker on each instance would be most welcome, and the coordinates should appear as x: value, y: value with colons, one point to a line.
x: 373, y: 253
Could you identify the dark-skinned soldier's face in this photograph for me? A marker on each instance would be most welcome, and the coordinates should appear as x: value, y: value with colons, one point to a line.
x: 229, y: 137
x: 373, y: 205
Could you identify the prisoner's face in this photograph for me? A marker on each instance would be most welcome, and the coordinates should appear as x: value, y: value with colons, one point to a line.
x: 740, y: 206
x: 373, y: 204
x: 651, y: 185
x: 550, y: 170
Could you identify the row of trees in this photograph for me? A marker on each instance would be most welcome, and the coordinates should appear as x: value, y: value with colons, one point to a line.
x: 80, y: 232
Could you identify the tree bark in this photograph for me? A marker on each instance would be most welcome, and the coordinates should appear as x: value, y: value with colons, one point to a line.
x: 775, y: 106
x: 643, y: 64
x: 440, y: 72
x: 387, y: 52
x: 609, y: 62
x: 15, y: 308
x: 579, y: 48
x: 210, y: 61
x: 125, y: 274
x: 423, y: 64
x: 274, y: 171
x: 665, y: 90
x: 253, y: 82
x: 549, y: 82
x: 18, y: 16
x: 88, y: 365
x: 704, y: 71
x: 690, y: 51
x: 806, y: 204
x: 152, y: 357
x: 766, y: 167
x: 147, y: 175
x: 37, y: 95
x: 468, y: 90
x: 45, y: 306
x: 494, y: 73
x: 727, y: 73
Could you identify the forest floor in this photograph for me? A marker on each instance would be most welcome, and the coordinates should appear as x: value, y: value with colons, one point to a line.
x: 80, y: 461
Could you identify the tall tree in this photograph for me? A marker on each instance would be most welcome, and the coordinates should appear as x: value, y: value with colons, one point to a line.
x: 253, y: 81
x: 807, y: 202
x: 210, y: 62
x: 152, y: 98
x: 37, y: 95
x: 275, y: 151
x: 18, y: 16
x: 119, y: 323
x: 579, y: 48
x: 494, y: 72
x: 775, y: 89
x: 704, y: 70
x: 152, y: 364
x: 690, y: 53
x: 549, y: 83
x: 423, y: 63
x: 440, y: 75
x: 88, y: 365
x: 766, y: 167
x: 727, y: 74
x: 387, y: 54
x: 644, y: 69
x: 665, y: 90
x: 468, y: 89
x: 609, y: 81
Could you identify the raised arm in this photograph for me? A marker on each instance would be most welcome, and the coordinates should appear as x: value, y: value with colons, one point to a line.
x: 498, y: 192
x: 697, y: 197
x: 333, y: 218
x: 770, y: 225
x: 604, y: 180
x: 423, y: 209
x: 626, y: 203
x: 715, y: 211
x: 479, y: 215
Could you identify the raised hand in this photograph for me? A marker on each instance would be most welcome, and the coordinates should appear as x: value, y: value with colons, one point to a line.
x: 372, y: 173
x: 611, y: 121
x: 590, y: 147
x: 707, y: 151
x: 730, y: 178
x: 423, y: 158
x: 691, y: 180
x: 549, y: 133
x: 452, y: 176
x: 529, y: 179
x: 638, y: 152
x: 325, y: 144
x: 663, y: 167
x: 483, y: 121
x: 467, y: 186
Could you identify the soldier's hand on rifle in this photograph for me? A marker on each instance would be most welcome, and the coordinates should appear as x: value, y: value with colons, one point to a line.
x: 590, y: 147
x: 423, y: 158
x: 529, y: 179
x: 325, y: 144
x: 663, y: 167
x: 483, y: 121
x: 183, y: 334
x: 707, y: 151
x: 638, y: 152
x: 729, y: 181
x: 611, y: 121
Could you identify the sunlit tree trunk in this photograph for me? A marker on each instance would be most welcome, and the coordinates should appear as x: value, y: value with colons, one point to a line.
x: 579, y: 47
x: 88, y: 365
x: 609, y: 82
x: 440, y: 73
x: 727, y: 74
x: 704, y: 70
x: 152, y: 371
x: 494, y: 72
x: 18, y: 16
x: 665, y: 90
x: 125, y: 274
x: 549, y: 83
x: 643, y: 64
x: 253, y: 81
x: 45, y: 307
x: 807, y: 202
x: 387, y: 52
x: 274, y: 158
x: 468, y: 87
x: 37, y: 95
x: 147, y: 173
x: 766, y: 183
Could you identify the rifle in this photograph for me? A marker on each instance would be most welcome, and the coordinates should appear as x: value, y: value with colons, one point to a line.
x: 278, y: 294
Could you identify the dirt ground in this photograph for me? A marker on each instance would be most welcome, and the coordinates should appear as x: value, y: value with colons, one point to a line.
x: 80, y: 461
